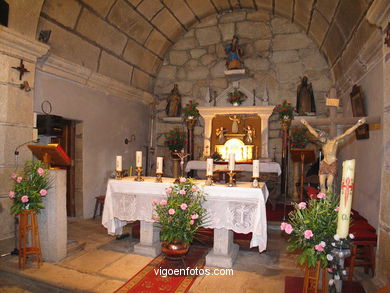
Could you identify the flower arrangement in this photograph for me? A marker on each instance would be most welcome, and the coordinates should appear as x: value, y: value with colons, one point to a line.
x: 29, y: 188
x: 216, y: 157
x: 181, y: 213
x: 285, y: 111
x: 175, y: 139
x: 312, y: 230
x: 190, y: 110
x: 300, y: 137
x: 236, y: 97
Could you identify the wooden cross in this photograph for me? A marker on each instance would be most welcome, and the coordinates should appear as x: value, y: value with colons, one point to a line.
x: 21, y: 68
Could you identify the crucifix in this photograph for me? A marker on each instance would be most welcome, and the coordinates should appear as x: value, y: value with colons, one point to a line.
x: 328, y: 166
x: 21, y: 68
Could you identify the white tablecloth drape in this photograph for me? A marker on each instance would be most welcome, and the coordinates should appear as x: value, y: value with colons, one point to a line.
x: 270, y: 167
x: 240, y: 208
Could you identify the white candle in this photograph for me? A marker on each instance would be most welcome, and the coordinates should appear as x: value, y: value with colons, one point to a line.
x: 159, y: 165
x: 138, y: 159
x: 118, y: 166
x: 256, y: 168
x: 231, y: 161
x: 346, y: 198
x: 209, y: 169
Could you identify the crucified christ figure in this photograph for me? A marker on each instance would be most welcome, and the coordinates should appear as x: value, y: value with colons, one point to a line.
x: 328, y: 166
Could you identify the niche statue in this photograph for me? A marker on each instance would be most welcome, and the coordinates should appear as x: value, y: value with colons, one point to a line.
x: 305, y: 98
x: 173, y: 108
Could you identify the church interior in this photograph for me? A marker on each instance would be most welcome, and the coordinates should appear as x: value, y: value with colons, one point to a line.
x: 245, y: 96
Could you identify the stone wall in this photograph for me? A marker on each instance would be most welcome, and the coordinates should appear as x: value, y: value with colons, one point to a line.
x: 276, y: 54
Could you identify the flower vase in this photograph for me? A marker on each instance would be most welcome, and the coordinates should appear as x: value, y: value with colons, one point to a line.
x: 175, y: 249
x: 285, y: 123
x: 236, y: 104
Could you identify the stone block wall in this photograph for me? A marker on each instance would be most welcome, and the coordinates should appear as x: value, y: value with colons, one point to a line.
x: 276, y: 54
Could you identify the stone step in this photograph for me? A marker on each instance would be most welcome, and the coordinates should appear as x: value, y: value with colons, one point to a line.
x: 74, y: 246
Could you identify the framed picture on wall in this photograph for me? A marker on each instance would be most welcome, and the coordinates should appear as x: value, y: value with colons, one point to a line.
x: 359, y: 110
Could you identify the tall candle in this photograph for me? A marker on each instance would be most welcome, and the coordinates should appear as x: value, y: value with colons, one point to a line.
x: 256, y: 168
x: 118, y: 165
x: 346, y: 198
x: 138, y: 159
x: 231, y: 161
x: 209, y: 168
x: 159, y: 165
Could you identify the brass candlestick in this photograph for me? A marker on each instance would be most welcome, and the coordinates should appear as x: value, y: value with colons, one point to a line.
x: 119, y: 174
x: 231, y: 182
x: 209, y: 180
x: 139, y: 172
x: 255, y: 182
x: 159, y: 177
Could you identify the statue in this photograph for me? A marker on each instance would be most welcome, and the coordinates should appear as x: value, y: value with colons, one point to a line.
x: 250, y: 134
x: 173, y: 108
x: 328, y: 166
x: 235, y: 123
x: 220, y: 132
x: 233, y: 53
x: 305, y: 98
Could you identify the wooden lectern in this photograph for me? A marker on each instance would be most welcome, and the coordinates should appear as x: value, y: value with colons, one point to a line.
x: 51, y: 154
x: 304, y: 156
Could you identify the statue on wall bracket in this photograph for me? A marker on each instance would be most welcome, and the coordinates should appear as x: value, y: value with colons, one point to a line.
x: 173, y: 108
x: 234, y: 54
x: 305, y: 98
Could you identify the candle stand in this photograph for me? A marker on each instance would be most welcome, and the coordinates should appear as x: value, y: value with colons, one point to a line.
x: 231, y: 182
x: 159, y: 177
x: 255, y: 182
x: 340, y: 254
x: 209, y: 180
x: 119, y: 174
x: 139, y: 172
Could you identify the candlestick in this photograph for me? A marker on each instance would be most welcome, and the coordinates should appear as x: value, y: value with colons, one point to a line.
x: 209, y: 168
x: 255, y: 182
x: 118, y: 166
x: 209, y: 180
x: 119, y: 174
x: 346, y: 198
x: 231, y: 182
x: 139, y: 172
x: 138, y: 159
x: 159, y: 165
x: 231, y: 161
x: 159, y: 177
x: 256, y: 168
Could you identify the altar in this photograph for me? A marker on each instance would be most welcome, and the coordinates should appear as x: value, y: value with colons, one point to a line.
x: 240, y: 209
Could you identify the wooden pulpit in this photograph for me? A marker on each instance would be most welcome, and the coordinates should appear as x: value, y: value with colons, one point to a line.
x: 51, y: 154
x: 304, y: 156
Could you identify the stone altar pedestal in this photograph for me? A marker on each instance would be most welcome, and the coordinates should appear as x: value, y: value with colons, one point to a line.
x: 52, y: 220
x: 149, y: 244
x: 224, y: 251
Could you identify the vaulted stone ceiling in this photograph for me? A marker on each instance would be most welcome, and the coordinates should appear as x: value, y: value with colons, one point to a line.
x: 116, y: 36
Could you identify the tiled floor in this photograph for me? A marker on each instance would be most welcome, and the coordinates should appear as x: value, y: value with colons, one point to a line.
x: 105, y: 264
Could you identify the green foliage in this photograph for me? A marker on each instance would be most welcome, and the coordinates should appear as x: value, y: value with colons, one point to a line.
x: 185, y: 200
x: 216, y: 156
x: 285, y: 111
x: 191, y: 109
x: 29, y: 187
x: 300, y: 137
x: 175, y: 139
x: 320, y: 217
x: 236, y: 97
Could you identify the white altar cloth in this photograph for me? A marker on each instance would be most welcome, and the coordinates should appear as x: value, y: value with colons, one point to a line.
x: 271, y: 167
x: 240, y: 208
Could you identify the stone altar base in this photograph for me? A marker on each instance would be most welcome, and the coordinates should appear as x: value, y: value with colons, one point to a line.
x: 149, y: 244
x: 224, y: 252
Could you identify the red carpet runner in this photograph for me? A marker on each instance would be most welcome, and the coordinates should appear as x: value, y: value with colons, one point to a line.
x: 295, y: 285
x: 147, y: 281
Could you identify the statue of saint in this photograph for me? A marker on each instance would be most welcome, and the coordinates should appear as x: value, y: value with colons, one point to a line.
x: 220, y: 132
x: 250, y: 134
x: 173, y: 108
x: 328, y: 166
x: 235, y: 123
x: 305, y: 98
x: 233, y: 54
